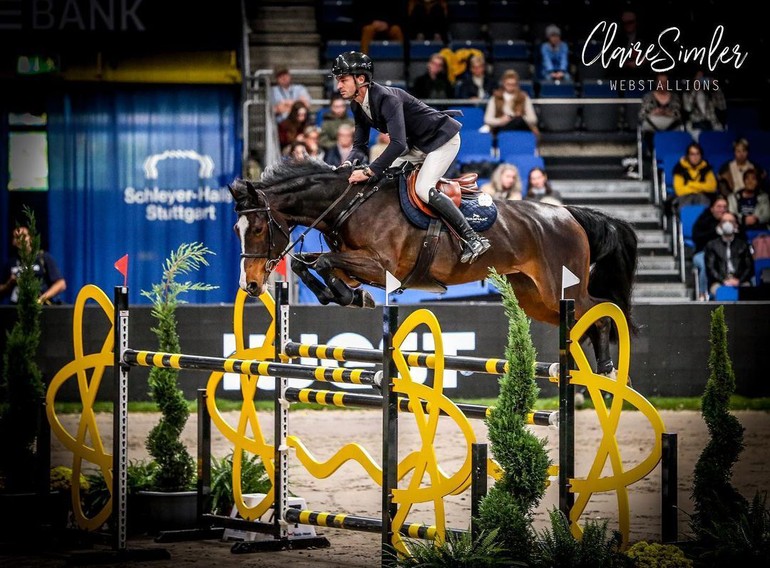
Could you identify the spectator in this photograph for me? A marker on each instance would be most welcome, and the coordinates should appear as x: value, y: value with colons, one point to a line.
x: 52, y: 283
x: 338, y: 153
x: 380, y: 20
x: 475, y: 82
x: 704, y: 105
x: 296, y: 151
x: 510, y: 108
x: 539, y: 188
x: 704, y: 230
x: 660, y: 110
x: 311, y: 136
x: 285, y: 93
x: 383, y: 139
x: 554, y: 56
x: 505, y: 183
x: 434, y: 83
x: 730, y: 176
x: 628, y: 39
x: 428, y: 20
x: 728, y: 258
x: 332, y: 120
x: 751, y: 208
x: 694, y: 180
x: 294, y: 124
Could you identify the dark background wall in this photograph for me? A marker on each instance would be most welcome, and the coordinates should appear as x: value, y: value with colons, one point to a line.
x: 668, y: 358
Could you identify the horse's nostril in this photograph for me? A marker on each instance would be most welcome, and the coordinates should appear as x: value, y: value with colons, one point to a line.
x: 252, y: 287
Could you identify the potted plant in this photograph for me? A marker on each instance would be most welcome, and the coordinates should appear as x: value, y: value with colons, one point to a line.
x: 21, y: 390
x: 170, y: 503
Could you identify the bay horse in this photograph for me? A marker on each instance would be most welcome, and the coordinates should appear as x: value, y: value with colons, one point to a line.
x: 531, y: 242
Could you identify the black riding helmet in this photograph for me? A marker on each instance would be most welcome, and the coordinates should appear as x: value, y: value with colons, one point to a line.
x: 353, y: 63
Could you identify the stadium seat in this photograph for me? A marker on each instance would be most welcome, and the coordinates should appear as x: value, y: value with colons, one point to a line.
x: 717, y: 141
x: 688, y: 214
x: 762, y: 272
x: 599, y: 117
x: 726, y: 294
x: 475, y: 142
x: 664, y: 146
x: 472, y: 118
x: 516, y: 142
x: 558, y: 117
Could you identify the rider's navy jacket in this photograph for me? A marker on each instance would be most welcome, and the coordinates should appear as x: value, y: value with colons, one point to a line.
x: 409, y: 122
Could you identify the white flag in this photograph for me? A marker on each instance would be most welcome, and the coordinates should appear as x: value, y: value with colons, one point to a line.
x: 391, y: 285
x: 567, y: 279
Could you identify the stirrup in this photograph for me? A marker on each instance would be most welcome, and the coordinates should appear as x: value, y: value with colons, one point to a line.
x: 473, y: 249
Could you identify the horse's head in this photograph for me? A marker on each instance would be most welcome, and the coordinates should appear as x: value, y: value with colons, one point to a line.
x: 263, y: 234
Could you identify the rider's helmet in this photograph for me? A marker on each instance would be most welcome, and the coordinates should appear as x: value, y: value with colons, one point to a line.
x: 353, y: 63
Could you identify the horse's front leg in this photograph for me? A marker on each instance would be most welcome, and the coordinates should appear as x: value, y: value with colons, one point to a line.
x: 354, y: 263
x: 300, y: 265
x: 599, y: 334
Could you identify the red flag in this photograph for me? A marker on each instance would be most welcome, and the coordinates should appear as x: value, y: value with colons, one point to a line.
x: 281, y: 268
x: 122, y: 267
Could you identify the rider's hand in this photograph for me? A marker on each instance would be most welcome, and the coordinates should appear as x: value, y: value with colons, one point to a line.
x: 358, y: 176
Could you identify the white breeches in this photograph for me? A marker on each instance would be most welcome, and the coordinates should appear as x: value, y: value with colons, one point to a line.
x: 434, y: 164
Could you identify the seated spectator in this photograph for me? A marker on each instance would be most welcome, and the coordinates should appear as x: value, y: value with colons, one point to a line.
x: 383, y: 139
x: 730, y: 175
x: 510, y: 108
x: 311, y: 136
x: 338, y: 153
x: 434, y: 83
x: 285, y: 93
x: 704, y: 105
x: 554, y: 56
x: 505, y: 183
x: 332, y: 119
x: 694, y: 180
x: 293, y: 124
x: 728, y: 257
x: 428, y: 20
x: 539, y: 188
x: 296, y: 151
x: 475, y: 82
x: 380, y: 20
x: 704, y: 230
x: 751, y: 208
x: 660, y: 110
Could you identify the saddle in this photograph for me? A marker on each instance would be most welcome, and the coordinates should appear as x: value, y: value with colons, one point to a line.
x: 453, y: 188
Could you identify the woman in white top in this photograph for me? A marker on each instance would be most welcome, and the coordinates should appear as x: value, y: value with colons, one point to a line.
x: 510, y: 108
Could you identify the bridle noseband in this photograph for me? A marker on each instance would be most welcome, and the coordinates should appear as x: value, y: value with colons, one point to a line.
x: 271, y: 261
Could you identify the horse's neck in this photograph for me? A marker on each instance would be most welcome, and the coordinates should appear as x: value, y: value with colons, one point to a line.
x: 305, y: 206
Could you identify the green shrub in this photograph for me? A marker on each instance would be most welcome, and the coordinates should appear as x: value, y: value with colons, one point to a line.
x: 176, y: 468
x: 254, y: 479
x: 459, y: 550
x: 21, y: 384
x: 558, y: 548
x: 508, y: 506
x: 656, y: 555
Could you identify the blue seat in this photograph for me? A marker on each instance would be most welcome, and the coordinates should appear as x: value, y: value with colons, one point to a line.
x: 726, y: 294
x: 665, y: 145
x: 762, y: 271
x: 385, y: 50
x: 716, y: 141
x: 337, y: 46
x: 511, y: 50
x: 667, y: 171
x: 479, y: 44
x: 516, y: 142
x: 475, y: 142
x: 472, y: 118
x: 422, y: 50
x: 463, y: 10
x: 688, y: 214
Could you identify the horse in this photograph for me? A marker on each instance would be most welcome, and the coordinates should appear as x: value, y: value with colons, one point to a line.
x: 368, y: 235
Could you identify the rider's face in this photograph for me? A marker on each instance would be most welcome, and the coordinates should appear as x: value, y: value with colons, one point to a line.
x: 348, y: 85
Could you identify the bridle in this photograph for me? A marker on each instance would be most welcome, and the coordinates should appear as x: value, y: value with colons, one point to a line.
x: 271, y: 262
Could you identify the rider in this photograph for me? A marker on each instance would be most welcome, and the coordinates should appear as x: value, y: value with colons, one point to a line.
x: 418, y: 134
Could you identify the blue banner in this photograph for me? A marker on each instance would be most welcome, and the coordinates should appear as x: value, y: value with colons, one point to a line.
x: 140, y: 171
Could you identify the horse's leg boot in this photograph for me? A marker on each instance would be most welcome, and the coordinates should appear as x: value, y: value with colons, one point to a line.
x: 474, y: 245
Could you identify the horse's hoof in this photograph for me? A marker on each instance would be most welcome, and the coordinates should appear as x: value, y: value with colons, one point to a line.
x: 362, y: 299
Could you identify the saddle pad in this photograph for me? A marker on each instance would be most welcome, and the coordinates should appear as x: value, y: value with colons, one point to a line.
x: 479, y: 209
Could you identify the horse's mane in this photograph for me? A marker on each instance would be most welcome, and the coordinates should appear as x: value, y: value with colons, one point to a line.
x: 294, y: 170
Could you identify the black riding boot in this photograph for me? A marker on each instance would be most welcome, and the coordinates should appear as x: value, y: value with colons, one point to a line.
x: 475, y: 245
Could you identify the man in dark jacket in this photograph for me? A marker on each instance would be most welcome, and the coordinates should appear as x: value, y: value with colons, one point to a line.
x: 728, y: 258
x: 418, y: 134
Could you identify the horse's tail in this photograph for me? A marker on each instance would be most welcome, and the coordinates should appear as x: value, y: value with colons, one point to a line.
x: 613, y: 245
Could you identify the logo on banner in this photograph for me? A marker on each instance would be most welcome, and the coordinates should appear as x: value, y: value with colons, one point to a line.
x: 178, y: 203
